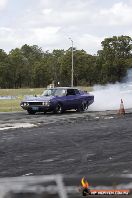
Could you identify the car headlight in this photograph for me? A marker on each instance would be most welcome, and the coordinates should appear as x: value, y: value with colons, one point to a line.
x: 25, y: 104
x: 47, y: 103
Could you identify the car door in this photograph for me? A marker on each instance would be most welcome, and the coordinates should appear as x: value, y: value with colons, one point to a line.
x: 71, y: 98
x: 77, y: 100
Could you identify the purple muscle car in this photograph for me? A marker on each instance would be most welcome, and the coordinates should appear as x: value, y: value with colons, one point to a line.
x: 58, y: 100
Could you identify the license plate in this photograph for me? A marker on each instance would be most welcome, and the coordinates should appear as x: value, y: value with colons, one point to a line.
x: 35, y: 108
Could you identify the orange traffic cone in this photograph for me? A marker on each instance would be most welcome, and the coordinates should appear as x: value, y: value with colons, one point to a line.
x: 122, y: 109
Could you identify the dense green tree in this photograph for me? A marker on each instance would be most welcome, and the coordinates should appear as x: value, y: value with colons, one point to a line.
x: 65, y: 68
x: 112, y: 58
x: 40, y: 77
x: 84, y: 68
x: 33, y: 55
x: 30, y: 66
x: 19, y: 70
x: 5, y: 73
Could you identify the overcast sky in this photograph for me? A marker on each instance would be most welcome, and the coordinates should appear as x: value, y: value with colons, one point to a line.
x: 49, y: 23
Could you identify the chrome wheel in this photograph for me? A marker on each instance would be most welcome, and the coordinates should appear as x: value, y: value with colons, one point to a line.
x: 58, y: 109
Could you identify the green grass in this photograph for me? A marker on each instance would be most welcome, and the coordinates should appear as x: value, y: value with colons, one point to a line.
x: 21, y: 92
x: 10, y: 105
x: 14, y: 104
x: 85, y: 88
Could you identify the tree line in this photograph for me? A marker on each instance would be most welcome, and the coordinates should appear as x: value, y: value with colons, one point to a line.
x: 30, y: 66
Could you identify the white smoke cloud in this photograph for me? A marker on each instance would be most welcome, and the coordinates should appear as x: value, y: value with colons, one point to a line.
x: 3, y: 4
x: 109, y: 97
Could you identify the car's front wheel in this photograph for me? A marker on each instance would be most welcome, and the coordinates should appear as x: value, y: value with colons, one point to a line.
x: 31, y: 112
x: 58, y: 109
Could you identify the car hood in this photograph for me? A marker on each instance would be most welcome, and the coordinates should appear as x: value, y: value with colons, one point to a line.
x: 38, y: 98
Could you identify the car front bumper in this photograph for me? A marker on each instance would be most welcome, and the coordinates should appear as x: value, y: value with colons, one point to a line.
x: 38, y: 108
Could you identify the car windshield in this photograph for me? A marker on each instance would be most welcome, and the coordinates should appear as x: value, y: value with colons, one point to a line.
x: 54, y: 92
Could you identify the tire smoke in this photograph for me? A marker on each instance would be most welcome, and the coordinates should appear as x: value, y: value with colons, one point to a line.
x: 108, y: 97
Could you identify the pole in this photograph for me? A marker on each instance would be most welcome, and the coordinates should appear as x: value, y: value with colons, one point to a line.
x: 72, y: 65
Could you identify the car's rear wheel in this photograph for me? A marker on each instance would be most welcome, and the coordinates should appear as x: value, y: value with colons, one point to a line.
x: 86, y: 107
x: 82, y: 107
x: 31, y: 112
x: 58, y: 109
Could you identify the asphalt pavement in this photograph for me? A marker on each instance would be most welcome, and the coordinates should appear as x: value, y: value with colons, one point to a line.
x: 92, y: 143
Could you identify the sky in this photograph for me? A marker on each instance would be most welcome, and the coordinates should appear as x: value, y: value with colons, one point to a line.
x: 50, y: 23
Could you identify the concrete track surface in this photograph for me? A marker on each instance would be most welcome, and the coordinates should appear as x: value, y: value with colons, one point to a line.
x: 91, y: 143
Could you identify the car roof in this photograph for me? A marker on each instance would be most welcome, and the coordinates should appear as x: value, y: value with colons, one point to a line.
x: 63, y: 88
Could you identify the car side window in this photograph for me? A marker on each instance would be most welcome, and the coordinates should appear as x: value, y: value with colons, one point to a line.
x: 70, y: 92
x: 77, y: 91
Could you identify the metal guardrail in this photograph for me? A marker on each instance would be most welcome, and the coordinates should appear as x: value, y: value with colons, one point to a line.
x: 58, y: 186
x: 31, y: 186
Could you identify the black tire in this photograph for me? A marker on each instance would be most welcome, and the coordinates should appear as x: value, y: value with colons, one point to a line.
x: 58, y: 109
x: 82, y: 107
x: 31, y: 112
x: 87, y: 104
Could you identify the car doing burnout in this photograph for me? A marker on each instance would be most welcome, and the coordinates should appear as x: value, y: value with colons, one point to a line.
x: 58, y: 100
